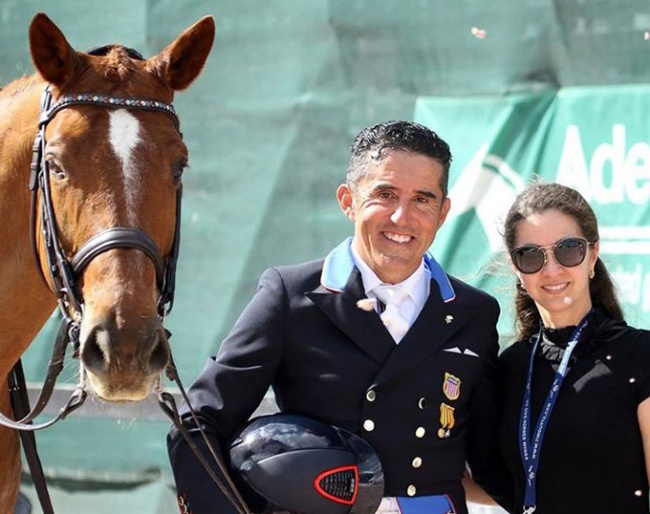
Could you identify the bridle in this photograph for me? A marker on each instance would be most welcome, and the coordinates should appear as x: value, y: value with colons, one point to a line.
x: 63, y: 275
x: 64, y: 272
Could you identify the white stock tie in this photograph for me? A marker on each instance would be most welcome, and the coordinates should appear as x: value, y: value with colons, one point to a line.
x: 392, y: 297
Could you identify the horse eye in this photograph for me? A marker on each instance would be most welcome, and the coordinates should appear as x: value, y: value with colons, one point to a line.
x: 55, y: 170
x: 179, y: 168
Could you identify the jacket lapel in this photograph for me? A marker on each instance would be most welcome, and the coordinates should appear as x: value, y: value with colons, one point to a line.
x: 363, y: 327
x: 342, y: 287
x: 435, y: 326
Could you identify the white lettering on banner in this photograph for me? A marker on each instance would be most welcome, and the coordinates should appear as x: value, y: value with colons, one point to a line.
x: 615, y: 179
x: 614, y: 154
x: 572, y: 169
x: 613, y: 176
x: 637, y: 167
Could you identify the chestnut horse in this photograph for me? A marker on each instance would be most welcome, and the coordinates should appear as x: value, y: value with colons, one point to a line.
x: 107, y: 170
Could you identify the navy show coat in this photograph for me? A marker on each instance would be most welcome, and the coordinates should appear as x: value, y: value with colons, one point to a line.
x: 427, y: 405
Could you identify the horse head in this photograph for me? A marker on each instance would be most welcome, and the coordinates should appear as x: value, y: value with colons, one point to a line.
x: 113, y: 158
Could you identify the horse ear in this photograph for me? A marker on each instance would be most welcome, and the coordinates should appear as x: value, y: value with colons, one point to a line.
x: 52, y: 55
x: 183, y: 59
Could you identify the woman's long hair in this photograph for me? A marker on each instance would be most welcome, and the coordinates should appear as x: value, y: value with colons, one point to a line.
x: 537, y: 199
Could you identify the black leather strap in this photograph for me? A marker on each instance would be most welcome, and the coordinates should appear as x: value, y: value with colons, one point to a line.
x: 119, y: 237
x: 20, y: 405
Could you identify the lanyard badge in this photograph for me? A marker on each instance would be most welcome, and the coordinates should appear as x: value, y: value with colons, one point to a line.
x: 529, y: 449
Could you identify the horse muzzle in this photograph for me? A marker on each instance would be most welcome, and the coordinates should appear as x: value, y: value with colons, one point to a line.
x: 123, y: 358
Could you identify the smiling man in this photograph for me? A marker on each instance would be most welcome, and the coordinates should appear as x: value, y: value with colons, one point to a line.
x: 396, y: 198
x: 376, y: 339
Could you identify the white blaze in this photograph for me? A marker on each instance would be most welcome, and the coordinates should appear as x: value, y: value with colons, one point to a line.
x: 124, y: 135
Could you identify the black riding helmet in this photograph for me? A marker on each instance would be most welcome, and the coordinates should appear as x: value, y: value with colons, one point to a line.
x: 296, y: 464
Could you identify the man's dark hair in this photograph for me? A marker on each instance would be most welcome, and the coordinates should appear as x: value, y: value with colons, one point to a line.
x: 404, y: 136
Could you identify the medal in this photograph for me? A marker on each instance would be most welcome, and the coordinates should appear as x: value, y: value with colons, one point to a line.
x: 447, y: 420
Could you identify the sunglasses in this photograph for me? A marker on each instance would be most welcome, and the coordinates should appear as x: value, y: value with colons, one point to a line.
x: 568, y: 252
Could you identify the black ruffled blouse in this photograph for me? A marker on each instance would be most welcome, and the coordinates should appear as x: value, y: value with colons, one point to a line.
x: 592, y: 458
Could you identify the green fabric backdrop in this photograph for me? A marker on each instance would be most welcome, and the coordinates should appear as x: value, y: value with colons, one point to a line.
x: 290, y: 82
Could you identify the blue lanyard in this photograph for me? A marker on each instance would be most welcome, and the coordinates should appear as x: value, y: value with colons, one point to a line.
x: 529, y: 449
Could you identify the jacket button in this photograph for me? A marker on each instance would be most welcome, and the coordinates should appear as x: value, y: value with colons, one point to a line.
x: 422, y: 403
x: 419, y: 432
x: 417, y: 462
x: 371, y: 395
x: 368, y: 425
x: 411, y: 490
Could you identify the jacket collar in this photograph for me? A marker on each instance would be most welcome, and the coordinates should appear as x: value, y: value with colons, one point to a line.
x: 339, y: 264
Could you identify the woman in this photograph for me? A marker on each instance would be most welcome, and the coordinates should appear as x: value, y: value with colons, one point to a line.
x: 576, y: 423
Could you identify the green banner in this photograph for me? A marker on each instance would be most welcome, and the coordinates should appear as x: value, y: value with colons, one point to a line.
x: 592, y: 139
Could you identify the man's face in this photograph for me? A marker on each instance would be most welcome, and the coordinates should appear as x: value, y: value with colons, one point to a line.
x: 396, y: 210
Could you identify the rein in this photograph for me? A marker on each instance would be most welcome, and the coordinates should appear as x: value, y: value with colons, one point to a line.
x: 168, y: 406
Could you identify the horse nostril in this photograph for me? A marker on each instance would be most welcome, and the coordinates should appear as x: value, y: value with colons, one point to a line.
x: 92, y: 354
x: 159, y: 355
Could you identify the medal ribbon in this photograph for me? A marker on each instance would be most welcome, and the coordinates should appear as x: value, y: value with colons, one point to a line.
x: 530, y: 449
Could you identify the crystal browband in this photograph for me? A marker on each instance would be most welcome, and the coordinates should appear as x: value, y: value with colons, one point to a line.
x: 112, y: 102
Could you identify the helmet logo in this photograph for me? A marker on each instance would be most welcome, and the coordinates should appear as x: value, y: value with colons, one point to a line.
x: 339, y: 484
